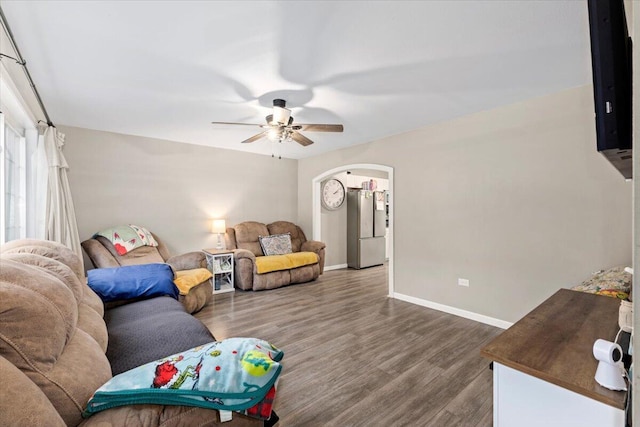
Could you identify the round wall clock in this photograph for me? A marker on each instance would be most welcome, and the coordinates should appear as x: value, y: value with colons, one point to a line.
x: 333, y: 194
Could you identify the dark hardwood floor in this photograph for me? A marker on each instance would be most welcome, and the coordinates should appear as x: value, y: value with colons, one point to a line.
x: 354, y: 357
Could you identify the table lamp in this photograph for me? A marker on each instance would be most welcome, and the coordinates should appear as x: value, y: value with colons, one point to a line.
x: 219, y: 227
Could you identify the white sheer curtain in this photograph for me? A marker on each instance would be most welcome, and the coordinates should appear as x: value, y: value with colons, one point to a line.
x: 39, y: 184
x: 60, y: 222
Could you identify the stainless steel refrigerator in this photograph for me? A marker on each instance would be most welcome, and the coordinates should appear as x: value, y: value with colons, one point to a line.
x: 366, y: 227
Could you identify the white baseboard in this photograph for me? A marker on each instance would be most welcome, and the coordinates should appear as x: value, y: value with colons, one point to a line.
x: 335, y: 267
x: 453, y: 310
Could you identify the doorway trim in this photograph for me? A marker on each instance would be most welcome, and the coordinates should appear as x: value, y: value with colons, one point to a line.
x: 317, y: 207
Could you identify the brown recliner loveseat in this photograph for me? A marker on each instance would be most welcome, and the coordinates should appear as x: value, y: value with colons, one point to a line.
x: 244, y: 240
x: 104, y: 255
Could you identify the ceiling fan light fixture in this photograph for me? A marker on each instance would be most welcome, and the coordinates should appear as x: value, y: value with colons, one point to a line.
x: 281, y: 115
x: 274, y: 135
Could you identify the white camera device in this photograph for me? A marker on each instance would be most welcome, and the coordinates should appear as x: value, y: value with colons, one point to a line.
x: 610, y: 372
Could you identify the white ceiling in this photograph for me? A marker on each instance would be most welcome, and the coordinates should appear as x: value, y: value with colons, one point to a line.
x: 166, y: 69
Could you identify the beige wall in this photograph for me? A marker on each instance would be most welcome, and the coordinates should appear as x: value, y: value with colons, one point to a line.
x: 173, y: 189
x: 334, y: 230
x: 516, y: 199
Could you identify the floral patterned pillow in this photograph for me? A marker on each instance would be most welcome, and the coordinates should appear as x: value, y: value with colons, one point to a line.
x: 276, y: 244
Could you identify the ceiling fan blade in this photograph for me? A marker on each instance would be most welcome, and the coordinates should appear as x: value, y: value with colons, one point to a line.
x: 316, y: 127
x: 256, y: 137
x: 235, y: 123
x: 300, y: 138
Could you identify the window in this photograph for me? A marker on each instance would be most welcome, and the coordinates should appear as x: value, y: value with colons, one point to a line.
x: 14, y: 188
x: 22, y: 182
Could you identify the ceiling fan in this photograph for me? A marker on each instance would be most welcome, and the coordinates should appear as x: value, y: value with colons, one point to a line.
x: 280, y: 126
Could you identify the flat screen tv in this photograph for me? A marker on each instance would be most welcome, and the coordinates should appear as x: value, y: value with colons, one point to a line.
x: 611, y: 65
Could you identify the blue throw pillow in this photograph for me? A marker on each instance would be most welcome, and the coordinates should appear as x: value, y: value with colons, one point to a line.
x: 133, y: 281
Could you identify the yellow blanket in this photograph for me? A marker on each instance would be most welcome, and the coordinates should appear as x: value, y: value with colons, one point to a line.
x: 267, y: 264
x: 187, y: 279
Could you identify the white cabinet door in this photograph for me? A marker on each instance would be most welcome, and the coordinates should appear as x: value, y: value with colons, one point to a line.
x: 520, y: 400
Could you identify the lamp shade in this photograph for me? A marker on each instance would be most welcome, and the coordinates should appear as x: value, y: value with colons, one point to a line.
x: 218, y: 226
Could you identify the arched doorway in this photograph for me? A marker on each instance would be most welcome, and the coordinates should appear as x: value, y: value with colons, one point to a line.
x: 316, y: 209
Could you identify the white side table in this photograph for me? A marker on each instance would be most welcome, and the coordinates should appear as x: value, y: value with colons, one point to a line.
x: 220, y: 264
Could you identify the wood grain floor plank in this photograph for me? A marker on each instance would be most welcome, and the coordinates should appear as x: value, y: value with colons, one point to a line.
x: 473, y: 403
x: 354, y: 357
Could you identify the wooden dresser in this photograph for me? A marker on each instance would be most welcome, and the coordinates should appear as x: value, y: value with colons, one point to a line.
x: 544, y: 367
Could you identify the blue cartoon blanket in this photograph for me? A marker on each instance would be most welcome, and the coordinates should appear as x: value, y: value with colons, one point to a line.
x: 234, y: 374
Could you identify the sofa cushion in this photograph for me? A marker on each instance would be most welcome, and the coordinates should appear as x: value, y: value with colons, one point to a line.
x: 53, y: 267
x: 36, y: 315
x: 247, y: 236
x: 47, y: 249
x: 276, y: 244
x: 267, y: 264
x: 148, y: 330
x: 305, y: 273
x: 39, y: 412
x: 93, y: 324
x: 92, y: 299
x: 273, y: 280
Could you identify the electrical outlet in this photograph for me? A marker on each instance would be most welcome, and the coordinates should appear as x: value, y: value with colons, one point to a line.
x: 463, y: 282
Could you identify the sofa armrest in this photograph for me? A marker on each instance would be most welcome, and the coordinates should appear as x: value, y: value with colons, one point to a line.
x: 317, y: 247
x: 244, y: 268
x: 188, y: 261
x: 244, y: 253
x: 312, y: 246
